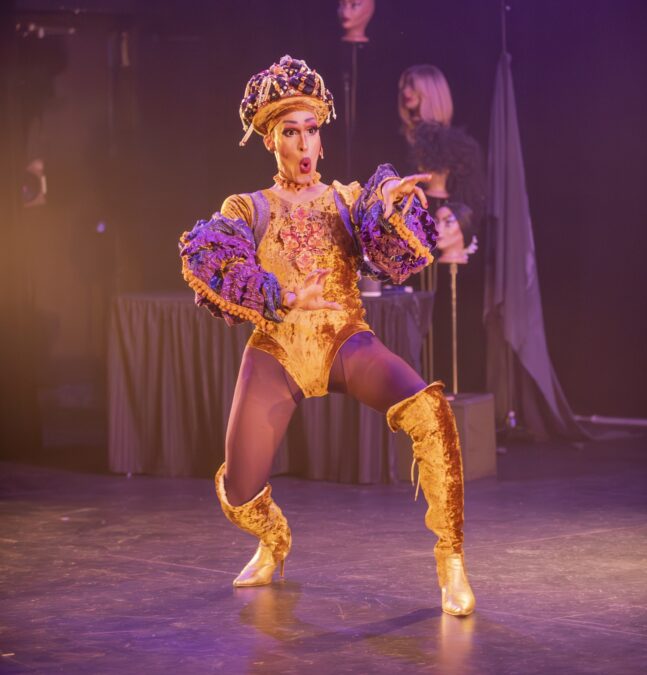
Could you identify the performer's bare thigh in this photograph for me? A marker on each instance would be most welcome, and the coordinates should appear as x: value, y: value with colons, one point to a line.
x: 371, y: 373
x: 265, y: 398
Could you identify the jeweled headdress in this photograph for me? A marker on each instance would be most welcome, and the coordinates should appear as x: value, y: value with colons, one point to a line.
x: 290, y: 82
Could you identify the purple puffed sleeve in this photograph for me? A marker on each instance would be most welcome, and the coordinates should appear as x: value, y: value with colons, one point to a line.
x: 219, y: 263
x: 397, y: 247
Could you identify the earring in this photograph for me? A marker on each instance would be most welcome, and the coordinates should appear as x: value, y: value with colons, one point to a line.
x: 321, y: 154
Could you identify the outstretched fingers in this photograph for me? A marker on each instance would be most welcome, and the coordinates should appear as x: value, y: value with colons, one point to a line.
x: 407, y: 189
x: 407, y: 204
x: 319, y: 277
x: 316, y: 277
x: 421, y: 196
x: 310, y: 293
x: 418, y: 178
x: 323, y: 275
x: 310, y: 278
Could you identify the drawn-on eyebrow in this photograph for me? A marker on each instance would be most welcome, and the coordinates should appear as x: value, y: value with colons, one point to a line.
x: 306, y: 121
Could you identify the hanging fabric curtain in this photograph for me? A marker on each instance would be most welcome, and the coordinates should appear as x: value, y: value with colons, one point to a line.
x: 519, y: 369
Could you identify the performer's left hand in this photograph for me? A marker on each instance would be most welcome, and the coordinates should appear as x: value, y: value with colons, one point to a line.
x: 309, y: 295
x: 398, y: 189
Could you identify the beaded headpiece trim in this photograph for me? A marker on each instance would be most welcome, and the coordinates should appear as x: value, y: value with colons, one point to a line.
x: 290, y: 82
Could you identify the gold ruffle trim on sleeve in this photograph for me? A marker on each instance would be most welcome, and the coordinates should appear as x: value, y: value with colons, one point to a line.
x: 409, y: 237
x: 203, y: 289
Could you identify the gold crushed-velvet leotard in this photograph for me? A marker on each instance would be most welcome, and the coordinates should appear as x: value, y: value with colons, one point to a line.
x: 301, y: 238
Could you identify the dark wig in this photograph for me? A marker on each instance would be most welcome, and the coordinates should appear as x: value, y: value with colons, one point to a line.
x: 436, y: 147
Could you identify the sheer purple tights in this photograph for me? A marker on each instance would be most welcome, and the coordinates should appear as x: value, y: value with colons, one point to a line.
x: 266, y: 396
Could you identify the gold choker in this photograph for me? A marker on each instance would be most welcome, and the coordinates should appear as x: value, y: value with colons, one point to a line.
x: 287, y: 184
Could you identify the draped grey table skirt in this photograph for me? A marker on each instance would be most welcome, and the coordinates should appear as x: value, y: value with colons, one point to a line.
x: 172, y: 371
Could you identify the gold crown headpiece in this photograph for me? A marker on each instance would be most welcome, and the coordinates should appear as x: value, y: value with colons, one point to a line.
x: 290, y: 82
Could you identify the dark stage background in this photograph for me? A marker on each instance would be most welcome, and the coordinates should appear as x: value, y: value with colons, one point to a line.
x: 142, y: 138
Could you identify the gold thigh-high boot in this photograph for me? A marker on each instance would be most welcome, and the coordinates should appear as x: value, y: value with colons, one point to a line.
x: 428, y: 419
x: 261, y: 517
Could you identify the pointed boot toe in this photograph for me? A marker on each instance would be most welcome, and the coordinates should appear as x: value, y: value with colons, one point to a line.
x: 259, y: 570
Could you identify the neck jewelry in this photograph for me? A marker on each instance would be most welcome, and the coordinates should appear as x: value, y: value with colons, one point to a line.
x: 291, y: 186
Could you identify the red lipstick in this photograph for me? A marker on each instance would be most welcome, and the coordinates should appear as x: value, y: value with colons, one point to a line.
x: 305, y: 165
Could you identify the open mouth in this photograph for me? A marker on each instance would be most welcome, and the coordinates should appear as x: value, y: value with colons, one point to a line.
x: 305, y: 165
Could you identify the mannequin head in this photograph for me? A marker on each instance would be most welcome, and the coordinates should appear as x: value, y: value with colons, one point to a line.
x: 424, y: 96
x: 293, y: 138
x: 354, y: 16
x: 454, y: 224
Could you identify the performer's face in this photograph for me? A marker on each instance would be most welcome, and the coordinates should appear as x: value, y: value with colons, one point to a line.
x: 410, y: 97
x: 296, y: 143
x: 450, y: 235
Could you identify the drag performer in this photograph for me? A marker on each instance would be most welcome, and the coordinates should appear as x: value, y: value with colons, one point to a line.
x: 286, y: 258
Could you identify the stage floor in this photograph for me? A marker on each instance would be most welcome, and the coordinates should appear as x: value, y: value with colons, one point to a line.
x: 104, y: 574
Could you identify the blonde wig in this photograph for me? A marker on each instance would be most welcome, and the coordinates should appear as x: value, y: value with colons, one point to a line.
x: 435, y: 98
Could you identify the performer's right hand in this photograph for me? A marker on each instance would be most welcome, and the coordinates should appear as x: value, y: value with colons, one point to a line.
x: 398, y: 189
x: 309, y: 295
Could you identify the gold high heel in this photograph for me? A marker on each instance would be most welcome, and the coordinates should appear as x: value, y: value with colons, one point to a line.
x: 429, y: 421
x: 262, y: 517
x: 456, y: 595
x: 260, y: 569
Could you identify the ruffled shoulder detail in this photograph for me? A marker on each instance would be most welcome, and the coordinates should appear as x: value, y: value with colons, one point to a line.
x: 238, y: 207
x: 349, y: 193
